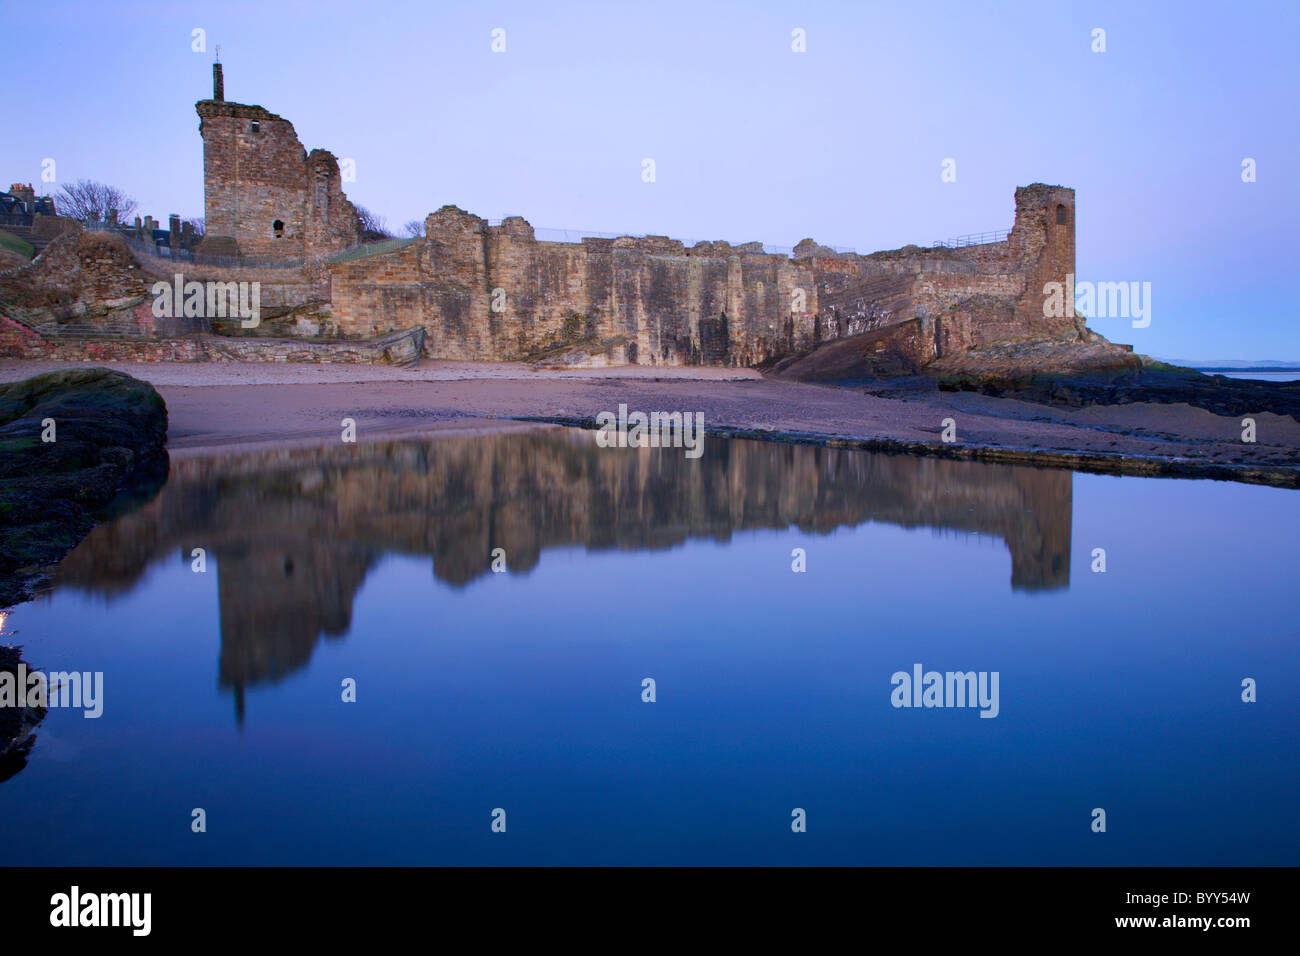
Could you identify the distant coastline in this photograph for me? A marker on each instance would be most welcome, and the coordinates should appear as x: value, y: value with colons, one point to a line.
x: 1268, y: 370
x: 1236, y: 365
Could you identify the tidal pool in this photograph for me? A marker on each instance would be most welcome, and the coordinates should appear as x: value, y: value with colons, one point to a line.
x: 522, y: 690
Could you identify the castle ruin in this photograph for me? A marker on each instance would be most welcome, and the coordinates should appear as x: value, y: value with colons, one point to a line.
x: 469, y: 289
x: 264, y: 195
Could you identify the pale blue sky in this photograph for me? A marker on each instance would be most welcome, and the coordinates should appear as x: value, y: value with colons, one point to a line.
x: 751, y: 141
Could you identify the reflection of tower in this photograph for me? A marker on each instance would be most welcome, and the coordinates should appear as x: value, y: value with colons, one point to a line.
x: 294, y: 533
x: 1039, y: 540
x: 277, y: 595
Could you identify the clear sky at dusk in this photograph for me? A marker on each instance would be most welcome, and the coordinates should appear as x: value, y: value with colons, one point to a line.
x: 751, y: 140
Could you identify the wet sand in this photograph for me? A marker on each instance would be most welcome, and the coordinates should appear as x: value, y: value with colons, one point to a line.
x: 212, y: 406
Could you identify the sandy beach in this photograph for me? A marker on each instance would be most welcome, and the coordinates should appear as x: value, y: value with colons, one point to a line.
x: 211, y: 406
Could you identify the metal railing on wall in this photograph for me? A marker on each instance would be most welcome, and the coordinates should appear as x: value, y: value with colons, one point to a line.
x: 542, y: 234
x: 163, y: 251
x: 974, y: 239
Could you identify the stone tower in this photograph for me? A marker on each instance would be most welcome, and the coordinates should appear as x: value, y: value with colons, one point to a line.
x: 263, y: 195
x: 1042, y: 243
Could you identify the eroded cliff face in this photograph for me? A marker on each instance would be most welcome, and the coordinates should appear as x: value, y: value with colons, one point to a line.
x: 293, y: 533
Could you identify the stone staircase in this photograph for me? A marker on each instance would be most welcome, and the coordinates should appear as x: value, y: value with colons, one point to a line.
x: 112, y: 326
x: 25, y: 233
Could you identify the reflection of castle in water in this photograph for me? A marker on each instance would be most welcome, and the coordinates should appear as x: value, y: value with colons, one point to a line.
x: 294, y: 531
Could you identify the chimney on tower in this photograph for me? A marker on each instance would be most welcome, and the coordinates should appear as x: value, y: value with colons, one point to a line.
x: 218, y: 84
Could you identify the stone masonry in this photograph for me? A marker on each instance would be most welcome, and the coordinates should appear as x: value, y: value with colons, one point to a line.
x: 495, y: 293
x: 264, y: 194
x: 964, y: 297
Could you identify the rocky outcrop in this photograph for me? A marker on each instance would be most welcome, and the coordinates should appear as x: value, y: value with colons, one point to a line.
x: 1014, y: 361
x: 1104, y: 374
x: 1075, y: 370
x: 17, y: 723
x: 72, y: 443
x: 81, y: 281
x: 856, y: 359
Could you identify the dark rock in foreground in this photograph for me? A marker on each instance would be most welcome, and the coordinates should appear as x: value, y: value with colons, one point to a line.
x: 1072, y: 371
x: 1072, y: 375
x: 110, y: 434
x: 17, y: 724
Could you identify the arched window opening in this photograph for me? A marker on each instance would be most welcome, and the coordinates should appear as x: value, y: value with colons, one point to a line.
x: 1060, y: 215
x: 278, y: 228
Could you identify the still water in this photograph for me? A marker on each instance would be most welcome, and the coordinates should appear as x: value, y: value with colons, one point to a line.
x: 1288, y: 376
x: 522, y: 690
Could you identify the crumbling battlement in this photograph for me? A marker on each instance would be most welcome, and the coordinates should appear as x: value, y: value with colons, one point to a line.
x: 993, y: 291
x: 496, y: 293
x: 264, y: 195
x: 85, y: 281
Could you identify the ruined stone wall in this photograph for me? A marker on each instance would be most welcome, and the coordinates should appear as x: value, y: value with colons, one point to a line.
x: 496, y: 293
x: 17, y: 341
x: 997, y: 288
x: 92, y: 284
x: 256, y: 174
x: 887, y: 296
x: 85, y: 281
x: 1042, y: 246
x: 992, y: 255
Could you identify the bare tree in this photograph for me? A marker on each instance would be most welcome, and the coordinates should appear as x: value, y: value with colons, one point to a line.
x: 86, y: 200
x: 414, y: 228
x: 373, y: 227
x: 199, y: 224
